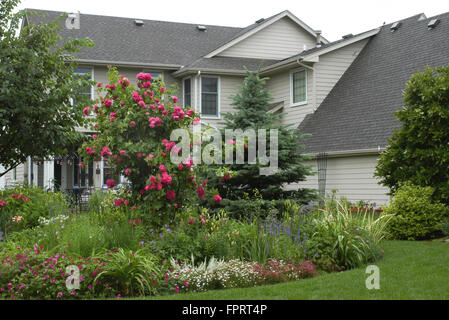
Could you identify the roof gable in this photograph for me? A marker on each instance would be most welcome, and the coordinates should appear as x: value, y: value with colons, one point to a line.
x: 254, y: 33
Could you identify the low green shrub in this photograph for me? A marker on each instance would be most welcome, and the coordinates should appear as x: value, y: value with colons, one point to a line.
x: 415, y: 215
x: 445, y: 227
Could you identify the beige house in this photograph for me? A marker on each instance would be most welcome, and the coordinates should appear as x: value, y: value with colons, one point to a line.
x: 307, y: 74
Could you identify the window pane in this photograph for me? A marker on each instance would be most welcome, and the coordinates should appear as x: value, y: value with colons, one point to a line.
x: 91, y: 173
x: 76, y: 170
x: 108, y: 174
x: 299, y: 86
x: 209, y: 85
x: 209, y: 104
x: 187, y: 93
x: 154, y: 74
x: 86, y: 91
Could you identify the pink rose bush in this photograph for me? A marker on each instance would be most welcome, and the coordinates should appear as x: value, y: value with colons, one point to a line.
x: 133, y: 127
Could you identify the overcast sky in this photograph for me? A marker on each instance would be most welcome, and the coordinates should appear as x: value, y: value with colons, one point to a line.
x: 334, y: 17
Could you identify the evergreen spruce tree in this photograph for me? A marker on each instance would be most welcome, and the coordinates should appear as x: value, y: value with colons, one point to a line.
x: 251, y: 111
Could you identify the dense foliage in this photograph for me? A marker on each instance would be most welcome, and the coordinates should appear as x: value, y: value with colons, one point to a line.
x: 37, y: 82
x: 251, y: 111
x: 419, y: 150
x: 415, y: 215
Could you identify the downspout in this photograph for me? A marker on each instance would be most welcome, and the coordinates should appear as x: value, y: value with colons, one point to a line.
x: 313, y: 81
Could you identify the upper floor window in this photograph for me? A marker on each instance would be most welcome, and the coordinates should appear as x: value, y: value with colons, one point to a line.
x: 86, y: 91
x: 209, y: 97
x: 298, y: 83
x: 187, y: 92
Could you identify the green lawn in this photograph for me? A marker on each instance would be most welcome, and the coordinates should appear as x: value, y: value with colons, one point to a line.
x: 409, y: 270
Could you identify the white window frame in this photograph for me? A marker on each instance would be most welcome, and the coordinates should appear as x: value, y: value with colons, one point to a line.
x: 292, y: 98
x: 183, y: 92
x: 92, y: 89
x: 218, y: 98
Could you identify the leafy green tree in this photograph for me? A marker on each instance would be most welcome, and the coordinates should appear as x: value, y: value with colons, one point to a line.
x: 418, y: 152
x: 37, y: 84
x: 251, y: 107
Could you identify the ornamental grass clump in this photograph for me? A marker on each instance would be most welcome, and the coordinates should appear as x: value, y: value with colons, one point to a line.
x: 343, y: 240
x: 135, y: 272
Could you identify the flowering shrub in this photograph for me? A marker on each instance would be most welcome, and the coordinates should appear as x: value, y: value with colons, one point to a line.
x: 215, y: 274
x: 30, y: 273
x: 134, y: 127
x: 33, y: 273
x: 113, y: 208
x: 23, y: 206
x: 275, y: 271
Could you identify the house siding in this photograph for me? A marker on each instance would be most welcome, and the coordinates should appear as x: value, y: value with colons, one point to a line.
x: 333, y: 65
x: 279, y: 40
x: 328, y: 71
x: 8, y: 179
x: 353, y: 177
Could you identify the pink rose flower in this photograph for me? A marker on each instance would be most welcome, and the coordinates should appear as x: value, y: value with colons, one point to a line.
x: 110, y: 183
x: 107, y: 103
x: 132, y: 124
x: 200, y: 192
x: 217, y: 198
x: 170, y: 195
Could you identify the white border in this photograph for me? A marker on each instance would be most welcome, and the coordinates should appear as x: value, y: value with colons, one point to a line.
x: 183, y: 92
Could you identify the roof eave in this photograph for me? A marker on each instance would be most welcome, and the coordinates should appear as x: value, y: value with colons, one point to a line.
x: 350, y: 153
x: 129, y: 64
x: 188, y: 71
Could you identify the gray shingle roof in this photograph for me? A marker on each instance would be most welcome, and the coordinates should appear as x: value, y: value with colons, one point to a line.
x: 357, y: 113
x: 160, y: 42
